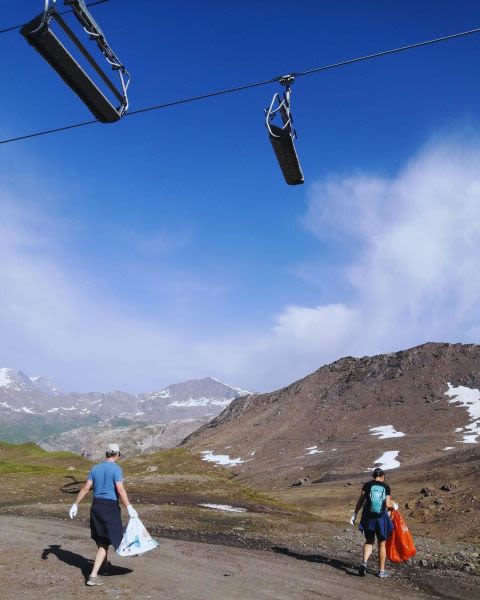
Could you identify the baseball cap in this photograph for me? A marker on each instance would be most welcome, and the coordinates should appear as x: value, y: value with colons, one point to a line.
x: 113, y: 449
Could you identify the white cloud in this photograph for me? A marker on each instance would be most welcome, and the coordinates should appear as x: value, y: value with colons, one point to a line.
x: 408, y: 247
x: 417, y: 235
x: 411, y: 255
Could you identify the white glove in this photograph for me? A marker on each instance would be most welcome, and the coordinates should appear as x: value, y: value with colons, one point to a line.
x: 395, y: 506
x: 132, y: 513
x: 73, y: 510
x: 353, y: 519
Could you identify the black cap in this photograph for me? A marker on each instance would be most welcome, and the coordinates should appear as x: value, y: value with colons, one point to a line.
x: 377, y: 473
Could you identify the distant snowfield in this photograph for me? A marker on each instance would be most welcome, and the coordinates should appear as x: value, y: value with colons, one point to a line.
x: 240, y: 391
x: 5, y: 379
x: 468, y: 398
x: 221, y: 459
x: 201, y: 402
x: 6, y: 405
x: 386, y: 431
x: 225, y: 507
x: 24, y: 409
x: 388, y: 460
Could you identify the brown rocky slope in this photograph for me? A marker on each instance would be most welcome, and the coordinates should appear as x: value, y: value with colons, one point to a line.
x: 319, y: 428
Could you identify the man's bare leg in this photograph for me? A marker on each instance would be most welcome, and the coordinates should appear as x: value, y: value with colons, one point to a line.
x: 105, y: 561
x: 99, y: 558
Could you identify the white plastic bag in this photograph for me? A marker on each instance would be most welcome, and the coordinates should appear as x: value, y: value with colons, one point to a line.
x: 136, y: 540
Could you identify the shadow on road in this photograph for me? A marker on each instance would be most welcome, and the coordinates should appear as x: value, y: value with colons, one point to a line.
x: 77, y: 560
x: 319, y: 558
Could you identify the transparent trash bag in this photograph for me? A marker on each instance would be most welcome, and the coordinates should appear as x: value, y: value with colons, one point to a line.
x: 136, y: 539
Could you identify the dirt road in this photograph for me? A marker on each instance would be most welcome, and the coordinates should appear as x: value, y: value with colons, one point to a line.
x: 48, y: 559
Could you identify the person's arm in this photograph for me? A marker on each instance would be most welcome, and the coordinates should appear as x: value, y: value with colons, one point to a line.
x: 358, y: 506
x: 122, y: 492
x: 80, y: 496
x: 124, y: 498
x: 390, y: 504
x: 360, y: 502
x: 87, y: 486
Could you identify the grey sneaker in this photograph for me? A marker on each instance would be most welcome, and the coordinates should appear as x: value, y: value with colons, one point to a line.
x: 383, y: 574
x: 362, y: 570
x: 94, y: 581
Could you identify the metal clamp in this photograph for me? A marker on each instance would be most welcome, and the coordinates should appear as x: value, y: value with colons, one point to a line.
x: 283, y: 107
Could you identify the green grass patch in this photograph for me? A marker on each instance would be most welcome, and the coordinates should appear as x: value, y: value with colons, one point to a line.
x: 34, y: 428
x: 30, y: 458
x: 12, y: 467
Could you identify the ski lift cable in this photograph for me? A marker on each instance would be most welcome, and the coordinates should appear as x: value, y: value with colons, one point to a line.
x: 247, y: 86
x: 63, y: 12
x: 297, y: 74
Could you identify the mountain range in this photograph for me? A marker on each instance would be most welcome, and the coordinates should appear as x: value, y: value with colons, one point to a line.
x: 396, y: 410
x: 33, y: 408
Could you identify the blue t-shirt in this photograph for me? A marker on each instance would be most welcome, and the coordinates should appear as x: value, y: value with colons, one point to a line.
x: 104, y: 476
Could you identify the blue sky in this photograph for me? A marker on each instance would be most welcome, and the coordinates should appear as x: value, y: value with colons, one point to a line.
x: 167, y: 246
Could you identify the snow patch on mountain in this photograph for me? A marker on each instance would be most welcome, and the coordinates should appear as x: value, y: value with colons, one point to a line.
x: 468, y: 398
x: 161, y: 394
x: 6, y: 379
x: 240, y: 391
x: 314, y: 450
x: 224, y: 507
x: 200, y: 402
x: 388, y: 460
x: 221, y: 459
x: 6, y: 405
x: 385, y: 432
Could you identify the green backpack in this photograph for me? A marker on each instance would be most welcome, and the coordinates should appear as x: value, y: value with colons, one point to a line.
x: 376, y: 500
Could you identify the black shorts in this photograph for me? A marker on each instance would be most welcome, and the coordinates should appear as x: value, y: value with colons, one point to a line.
x: 106, y: 522
x: 370, y: 537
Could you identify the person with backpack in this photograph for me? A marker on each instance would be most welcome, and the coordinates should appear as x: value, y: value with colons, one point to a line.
x: 106, y: 478
x: 375, y: 522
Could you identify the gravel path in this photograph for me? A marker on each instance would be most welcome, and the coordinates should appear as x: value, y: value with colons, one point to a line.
x: 47, y: 559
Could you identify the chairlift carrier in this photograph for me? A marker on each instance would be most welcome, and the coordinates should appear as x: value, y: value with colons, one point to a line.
x: 39, y: 34
x: 282, y: 138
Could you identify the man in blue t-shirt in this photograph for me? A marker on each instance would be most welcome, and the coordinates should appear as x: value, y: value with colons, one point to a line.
x: 106, y: 479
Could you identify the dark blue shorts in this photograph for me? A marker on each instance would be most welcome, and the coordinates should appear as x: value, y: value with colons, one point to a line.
x: 106, y: 522
x: 380, y: 527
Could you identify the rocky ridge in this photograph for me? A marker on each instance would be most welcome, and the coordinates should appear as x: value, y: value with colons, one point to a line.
x: 393, y: 409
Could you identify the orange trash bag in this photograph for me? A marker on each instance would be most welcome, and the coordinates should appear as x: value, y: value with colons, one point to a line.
x: 400, y: 546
